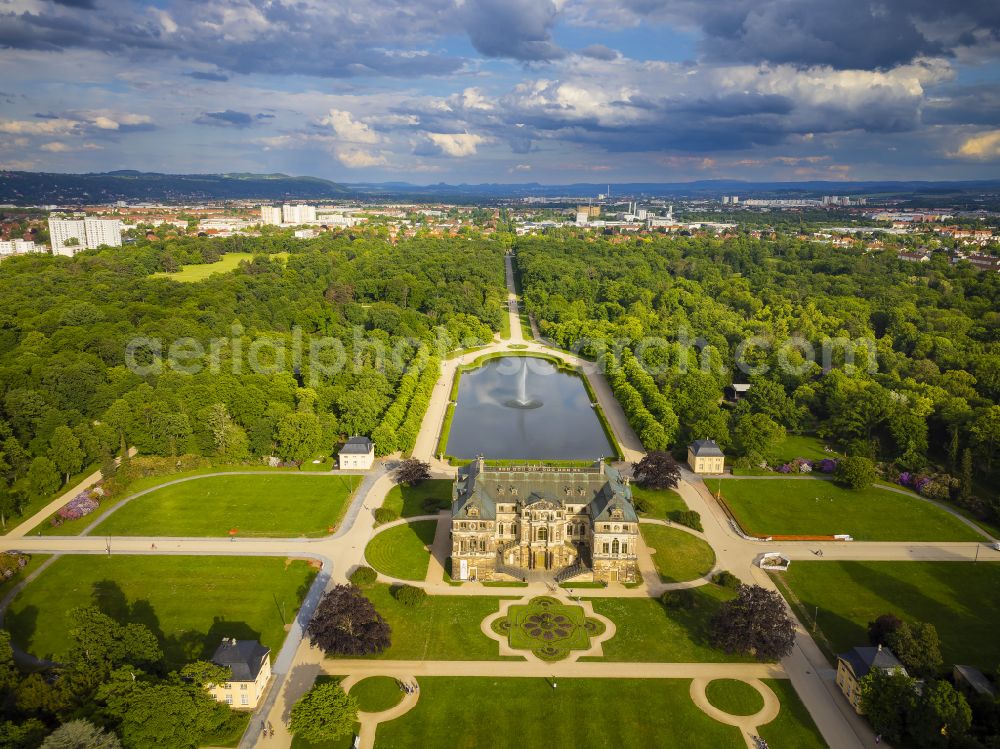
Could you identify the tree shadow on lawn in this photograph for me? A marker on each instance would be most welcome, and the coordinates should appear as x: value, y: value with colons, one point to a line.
x: 178, y: 649
x: 22, y: 624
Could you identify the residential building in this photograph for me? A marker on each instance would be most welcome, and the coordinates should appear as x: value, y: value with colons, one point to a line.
x: 271, y: 215
x: 69, y: 236
x: 250, y: 664
x: 914, y: 256
x: 357, y: 454
x: 857, y: 663
x: 704, y: 456
x: 555, y: 522
x: 298, y: 214
x: 16, y: 247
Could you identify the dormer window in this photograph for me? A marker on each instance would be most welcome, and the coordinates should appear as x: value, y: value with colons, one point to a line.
x: 513, y: 490
x: 617, y: 514
x: 472, y: 512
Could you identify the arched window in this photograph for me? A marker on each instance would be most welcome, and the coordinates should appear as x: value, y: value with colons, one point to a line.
x: 614, y: 546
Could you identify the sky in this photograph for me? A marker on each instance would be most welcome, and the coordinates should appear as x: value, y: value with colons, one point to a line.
x: 504, y: 91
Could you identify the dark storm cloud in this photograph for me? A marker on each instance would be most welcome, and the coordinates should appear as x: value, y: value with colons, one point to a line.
x: 845, y: 34
x: 964, y: 105
x: 518, y: 29
x: 89, y: 4
x: 226, y: 118
x: 351, y: 38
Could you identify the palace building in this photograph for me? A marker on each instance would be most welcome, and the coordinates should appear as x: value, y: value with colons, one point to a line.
x: 559, y: 522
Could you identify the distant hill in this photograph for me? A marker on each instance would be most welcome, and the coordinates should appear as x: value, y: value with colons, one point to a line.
x: 48, y: 187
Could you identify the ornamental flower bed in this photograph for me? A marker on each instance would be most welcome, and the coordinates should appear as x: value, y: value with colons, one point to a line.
x: 80, y: 505
x: 827, y: 465
x: 10, y: 563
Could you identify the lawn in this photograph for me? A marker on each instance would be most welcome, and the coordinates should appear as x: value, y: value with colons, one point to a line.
x: 734, y: 696
x: 426, y: 498
x: 228, y: 262
x: 678, y: 555
x: 403, y: 550
x: 793, y: 727
x: 190, y: 603
x: 647, y: 631
x: 377, y: 693
x: 656, y: 503
x: 813, y: 507
x: 485, y: 712
x: 259, y: 505
x: 442, y: 628
x: 958, y: 598
x: 33, y: 563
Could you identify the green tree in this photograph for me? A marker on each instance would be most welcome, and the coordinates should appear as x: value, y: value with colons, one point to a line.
x: 171, y: 715
x: 986, y: 433
x: 756, y: 434
x: 81, y: 734
x: 9, y: 674
x: 918, y: 648
x: 102, y: 642
x: 939, y: 716
x: 65, y: 451
x: 26, y: 735
x: 324, y: 713
x: 229, y: 438
x: 887, y: 699
x: 965, y: 489
x: 298, y: 436
x: 43, y: 477
x: 203, y: 673
x: 856, y: 472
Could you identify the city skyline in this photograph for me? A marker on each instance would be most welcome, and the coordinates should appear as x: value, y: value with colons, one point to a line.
x: 491, y: 91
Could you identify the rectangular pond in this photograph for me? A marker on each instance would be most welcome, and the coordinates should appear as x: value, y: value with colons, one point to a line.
x: 525, y: 408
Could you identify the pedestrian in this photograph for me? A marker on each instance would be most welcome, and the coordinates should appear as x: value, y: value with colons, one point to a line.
x: 878, y: 739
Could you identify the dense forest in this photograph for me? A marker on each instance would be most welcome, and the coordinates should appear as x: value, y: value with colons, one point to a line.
x: 341, y: 331
x: 922, y: 397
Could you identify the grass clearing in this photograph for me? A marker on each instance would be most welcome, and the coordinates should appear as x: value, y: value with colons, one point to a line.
x: 656, y: 503
x: 442, y: 628
x: 815, y: 507
x: 646, y: 631
x: 481, y: 712
x: 403, y: 551
x: 190, y: 603
x: 377, y: 693
x: 258, y: 505
x: 227, y: 263
x: 426, y: 498
x: 958, y: 598
x: 33, y: 564
x: 734, y: 697
x: 678, y: 555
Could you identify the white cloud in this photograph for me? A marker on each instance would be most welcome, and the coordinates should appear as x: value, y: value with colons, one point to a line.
x: 457, y: 144
x: 348, y: 128
x: 356, y: 158
x: 982, y: 147
x: 59, y: 147
x: 57, y: 126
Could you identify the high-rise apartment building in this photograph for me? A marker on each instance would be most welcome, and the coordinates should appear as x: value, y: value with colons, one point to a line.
x: 270, y: 214
x: 298, y: 214
x: 88, y: 233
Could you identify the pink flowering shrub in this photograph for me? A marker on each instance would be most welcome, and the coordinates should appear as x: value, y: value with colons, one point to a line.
x: 80, y: 505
